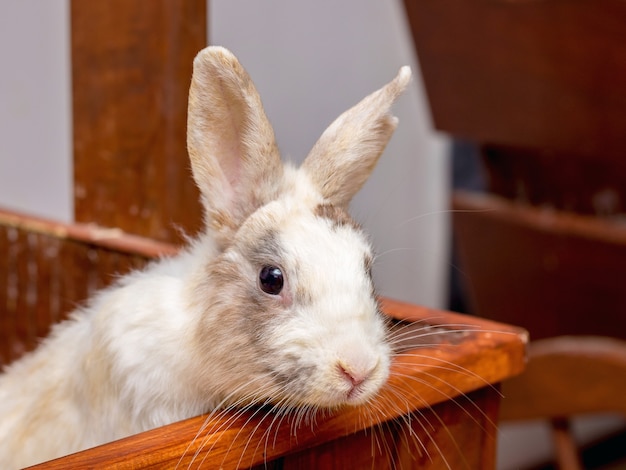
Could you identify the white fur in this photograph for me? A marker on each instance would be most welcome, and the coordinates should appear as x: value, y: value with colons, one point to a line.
x: 195, y: 332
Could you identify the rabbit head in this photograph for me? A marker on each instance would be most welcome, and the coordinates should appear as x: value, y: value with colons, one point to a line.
x: 287, y: 312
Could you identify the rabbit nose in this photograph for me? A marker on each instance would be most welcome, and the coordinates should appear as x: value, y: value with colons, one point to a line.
x: 352, y: 377
x: 355, y: 375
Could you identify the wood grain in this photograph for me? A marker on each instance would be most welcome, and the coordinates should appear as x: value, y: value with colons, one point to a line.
x: 445, y: 374
x: 131, y: 69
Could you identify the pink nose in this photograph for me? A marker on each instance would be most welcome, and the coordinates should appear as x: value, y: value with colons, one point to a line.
x: 354, y: 377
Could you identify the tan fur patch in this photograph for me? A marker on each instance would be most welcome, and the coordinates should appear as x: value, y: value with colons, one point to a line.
x: 337, y: 215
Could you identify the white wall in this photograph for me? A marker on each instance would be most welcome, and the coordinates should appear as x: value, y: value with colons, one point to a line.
x: 35, y: 106
x: 310, y: 60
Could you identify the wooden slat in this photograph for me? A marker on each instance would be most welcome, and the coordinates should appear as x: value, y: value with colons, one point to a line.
x: 564, y: 181
x: 131, y: 69
x: 551, y: 272
x: 89, y: 234
x: 51, y: 268
x: 434, y: 438
x: 567, y: 376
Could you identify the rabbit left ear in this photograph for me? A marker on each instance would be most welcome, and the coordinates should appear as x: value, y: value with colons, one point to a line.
x: 348, y: 150
x: 231, y: 144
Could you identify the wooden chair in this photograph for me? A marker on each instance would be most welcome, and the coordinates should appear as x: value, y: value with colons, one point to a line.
x: 568, y: 376
x: 557, y: 274
x: 538, y: 86
x: 554, y: 272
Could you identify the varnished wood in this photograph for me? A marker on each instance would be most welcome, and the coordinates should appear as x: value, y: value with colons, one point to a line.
x: 535, y: 74
x: 89, y: 234
x: 568, y: 375
x: 563, y: 181
x: 465, y: 357
x: 551, y: 272
x: 51, y: 267
x: 131, y: 68
x: 439, y: 437
x: 448, y: 433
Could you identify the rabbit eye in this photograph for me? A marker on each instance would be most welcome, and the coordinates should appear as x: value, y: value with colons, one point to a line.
x: 271, y: 280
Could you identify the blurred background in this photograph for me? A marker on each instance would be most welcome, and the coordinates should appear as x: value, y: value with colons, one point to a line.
x: 310, y: 61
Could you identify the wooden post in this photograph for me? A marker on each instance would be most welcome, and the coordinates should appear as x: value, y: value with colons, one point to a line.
x: 131, y: 68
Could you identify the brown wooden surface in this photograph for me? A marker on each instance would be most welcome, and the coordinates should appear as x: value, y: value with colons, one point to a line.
x: 445, y: 436
x: 550, y: 272
x: 453, y: 359
x: 567, y: 376
x: 586, y: 185
x: 535, y: 74
x: 51, y: 267
x: 131, y: 69
x: 462, y: 437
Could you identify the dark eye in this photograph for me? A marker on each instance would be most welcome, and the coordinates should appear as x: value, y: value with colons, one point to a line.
x: 271, y: 280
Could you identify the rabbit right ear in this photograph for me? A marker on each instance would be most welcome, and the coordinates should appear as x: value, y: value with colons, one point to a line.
x: 231, y: 144
x: 346, y: 153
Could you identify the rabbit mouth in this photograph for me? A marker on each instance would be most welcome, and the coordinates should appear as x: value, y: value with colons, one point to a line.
x: 339, y: 391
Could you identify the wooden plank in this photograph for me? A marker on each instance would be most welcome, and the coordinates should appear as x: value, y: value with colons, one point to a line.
x: 447, y: 435
x: 587, y: 185
x: 5, y: 316
x: 466, y: 356
x: 131, y: 68
x: 553, y: 273
x: 540, y: 74
x: 114, y: 239
x: 558, y: 365
x: 18, y: 284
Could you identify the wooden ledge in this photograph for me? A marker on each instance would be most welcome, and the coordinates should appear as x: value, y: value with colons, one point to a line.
x: 610, y: 229
x: 90, y: 234
x: 455, y: 355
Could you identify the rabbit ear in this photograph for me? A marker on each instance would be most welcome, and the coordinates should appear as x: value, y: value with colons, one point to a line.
x: 346, y: 153
x: 231, y: 144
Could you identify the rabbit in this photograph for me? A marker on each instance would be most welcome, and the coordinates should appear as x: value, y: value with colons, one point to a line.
x: 273, y: 303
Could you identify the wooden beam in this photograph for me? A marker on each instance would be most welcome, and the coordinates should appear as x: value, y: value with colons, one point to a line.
x: 131, y: 68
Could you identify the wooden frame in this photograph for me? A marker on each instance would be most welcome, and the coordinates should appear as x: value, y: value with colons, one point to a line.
x: 131, y: 69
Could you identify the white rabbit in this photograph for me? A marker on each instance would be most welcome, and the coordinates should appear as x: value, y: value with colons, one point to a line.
x: 273, y: 303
